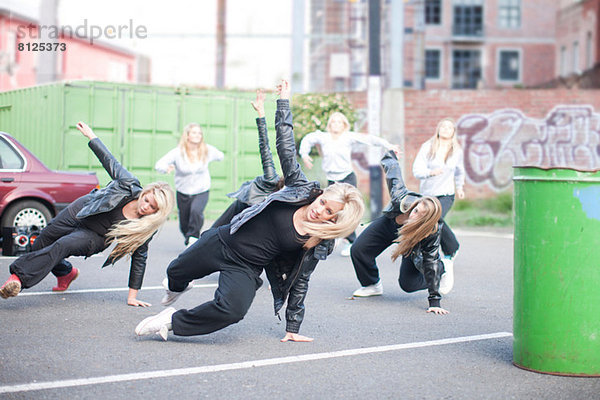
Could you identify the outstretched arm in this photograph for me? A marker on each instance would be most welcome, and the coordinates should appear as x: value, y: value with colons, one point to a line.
x: 166, y: 164
x: 108, y: 161
x: 259, y: 103
x: 432, y: 271
x: 286, y: 147
x: 266, y: 158
x: 308, y: 141
x: 374, y: 141
x: 294, y: 313
x: 86, y: 130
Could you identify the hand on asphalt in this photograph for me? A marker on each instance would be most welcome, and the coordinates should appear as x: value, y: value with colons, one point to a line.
x: 137, y: 303
x: 294, y: 337
x: 438, y: 310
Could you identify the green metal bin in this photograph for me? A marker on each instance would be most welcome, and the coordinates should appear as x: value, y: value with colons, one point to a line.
x: 557, y: 271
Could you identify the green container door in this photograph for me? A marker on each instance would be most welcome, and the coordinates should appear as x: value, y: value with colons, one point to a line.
x: 139, y: 124
x: 557, y: 271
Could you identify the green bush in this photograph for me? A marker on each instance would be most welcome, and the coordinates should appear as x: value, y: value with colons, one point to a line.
x: 495, y: 211
x: 503, y: 203
x: 311, y: 112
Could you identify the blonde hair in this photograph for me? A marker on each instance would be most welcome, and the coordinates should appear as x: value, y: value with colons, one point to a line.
x: 341, y: 116
x: 193, y: 155
x: 131, y: 234
x: 412, y: 232
x: 435, y: 141
x: 346, y: 219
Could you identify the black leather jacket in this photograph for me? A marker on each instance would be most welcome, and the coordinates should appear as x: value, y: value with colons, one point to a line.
x: 426, y: 254
x: 123, y: 186
x: 256, y: 190
x: 289, y: 277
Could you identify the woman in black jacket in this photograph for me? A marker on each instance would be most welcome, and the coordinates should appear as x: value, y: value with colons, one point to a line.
x: 286, y: 235
x: 123, y: 212
x: 254, y: 191
x: 411, y: 220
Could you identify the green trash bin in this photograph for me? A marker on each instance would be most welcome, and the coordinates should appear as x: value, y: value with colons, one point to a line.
x: 557, y: 271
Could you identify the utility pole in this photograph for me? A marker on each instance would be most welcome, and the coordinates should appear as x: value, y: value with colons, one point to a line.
x: 419, y: 45
x: 298, y: 45
x: 397, y: 45
x: 46, y: 64
x: 374, y: 105
x: 221, y: 30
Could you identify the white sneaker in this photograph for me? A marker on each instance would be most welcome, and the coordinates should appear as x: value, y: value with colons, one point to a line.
x: 191, y: 241
x: 159, y: 324
x: 170, y: 297
x: 371, y: 290
x: 447, y: 280
x: 346, y: 250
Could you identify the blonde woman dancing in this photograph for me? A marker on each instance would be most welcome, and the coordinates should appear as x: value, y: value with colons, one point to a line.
x: 123, y: 212
x: 286, y: 234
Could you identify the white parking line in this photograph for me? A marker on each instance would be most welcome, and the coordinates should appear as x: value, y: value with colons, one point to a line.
x: 15, y: 257
x: 242, y: 365
x: 102, y: 290
x: 496, y: 235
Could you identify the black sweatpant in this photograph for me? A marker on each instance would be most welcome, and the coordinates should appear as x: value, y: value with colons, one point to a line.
x: 351, y: 179
x: 378, y: 236
x: 237, y: 287
x: 61, y: 238
x: 448, y: 241
x: 191, y: 213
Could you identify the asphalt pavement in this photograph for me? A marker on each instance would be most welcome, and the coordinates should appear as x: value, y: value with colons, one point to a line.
x: 80, y: 344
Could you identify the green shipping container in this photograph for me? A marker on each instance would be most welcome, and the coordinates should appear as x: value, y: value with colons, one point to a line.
x: 139, y: 124
x: 557, y: 271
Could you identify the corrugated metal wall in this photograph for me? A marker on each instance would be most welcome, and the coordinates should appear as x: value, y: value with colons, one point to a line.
x: 139, y: 124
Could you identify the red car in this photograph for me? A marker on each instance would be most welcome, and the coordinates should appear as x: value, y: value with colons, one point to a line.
x: 30, y: 193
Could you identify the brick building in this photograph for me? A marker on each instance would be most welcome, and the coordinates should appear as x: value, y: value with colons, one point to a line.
x: 460, y: 44
x: 577, y: 40
x: 79, y: 60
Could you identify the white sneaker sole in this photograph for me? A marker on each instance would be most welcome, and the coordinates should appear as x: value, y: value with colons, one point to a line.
x: 367, y: 295
x: 11, y: 289
x: 142, y: 328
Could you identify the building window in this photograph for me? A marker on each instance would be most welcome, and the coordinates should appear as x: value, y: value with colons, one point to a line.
x: 433, y: 12
x: 509, y: 65
x: 468, y: 18
x: 575, y: 57
x: 509, y: 12
x: 466, y: 69
x: 432, y: 63
x: 589, y: 63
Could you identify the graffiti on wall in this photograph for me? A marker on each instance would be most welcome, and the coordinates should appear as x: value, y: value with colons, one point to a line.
x: 568, y: 137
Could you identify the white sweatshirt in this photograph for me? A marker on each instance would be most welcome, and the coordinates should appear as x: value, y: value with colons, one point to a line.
x: 336, y: 152
x: 190, y: 178
x: 453, y: 174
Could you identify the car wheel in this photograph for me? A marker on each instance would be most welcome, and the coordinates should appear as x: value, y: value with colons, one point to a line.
x: 27, y: 213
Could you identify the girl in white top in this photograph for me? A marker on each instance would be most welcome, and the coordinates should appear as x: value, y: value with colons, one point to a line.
x: 336, y: 145
x: 190, y: 161
x: 336, y: 148
x: 440, y: 168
